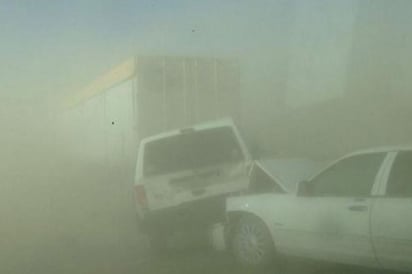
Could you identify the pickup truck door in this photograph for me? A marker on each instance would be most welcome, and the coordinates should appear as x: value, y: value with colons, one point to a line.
x: 392, y: 216
x: 332, y: 222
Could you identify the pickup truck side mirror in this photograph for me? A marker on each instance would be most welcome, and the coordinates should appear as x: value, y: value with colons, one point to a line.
x: 304, y: 189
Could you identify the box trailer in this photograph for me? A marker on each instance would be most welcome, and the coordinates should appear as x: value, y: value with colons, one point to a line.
x: 143, y: 96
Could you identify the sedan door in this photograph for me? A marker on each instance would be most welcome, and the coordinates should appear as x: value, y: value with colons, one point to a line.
x: 392, y: 217
x: 332, y: 221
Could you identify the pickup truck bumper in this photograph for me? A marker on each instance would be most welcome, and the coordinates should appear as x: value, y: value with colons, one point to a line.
x: 197, y: 215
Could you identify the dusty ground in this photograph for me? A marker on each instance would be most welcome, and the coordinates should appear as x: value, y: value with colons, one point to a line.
x: 84, y: 222
x: 203, y: 261
x: 61, y: 216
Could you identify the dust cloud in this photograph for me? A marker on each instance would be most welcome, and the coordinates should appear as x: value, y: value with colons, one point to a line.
x: 58, y: 216
x: 319, y: 79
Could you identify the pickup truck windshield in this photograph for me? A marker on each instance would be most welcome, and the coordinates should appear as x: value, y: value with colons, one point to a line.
x: 191, y: 150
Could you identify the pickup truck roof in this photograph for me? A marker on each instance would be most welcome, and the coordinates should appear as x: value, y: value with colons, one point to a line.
x: 200, y: 126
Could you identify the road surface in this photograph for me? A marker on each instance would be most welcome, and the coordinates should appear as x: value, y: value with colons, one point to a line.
x: 61, y: 216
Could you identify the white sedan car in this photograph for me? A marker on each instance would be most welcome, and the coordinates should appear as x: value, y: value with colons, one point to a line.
x: 357, y: 211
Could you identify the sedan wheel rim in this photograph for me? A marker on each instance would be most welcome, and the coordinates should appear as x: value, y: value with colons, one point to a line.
x: 251, y: 243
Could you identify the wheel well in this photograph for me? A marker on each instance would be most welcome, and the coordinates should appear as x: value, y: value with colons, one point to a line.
x: 234, y: 217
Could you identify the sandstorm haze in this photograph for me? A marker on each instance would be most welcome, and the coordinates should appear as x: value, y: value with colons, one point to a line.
x: 61, y: 47
x: 299, y: 52
x: 293, y: 53
x: 318, y: 79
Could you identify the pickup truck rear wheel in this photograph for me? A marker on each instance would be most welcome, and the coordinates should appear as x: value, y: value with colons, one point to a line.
x: 252, y: 243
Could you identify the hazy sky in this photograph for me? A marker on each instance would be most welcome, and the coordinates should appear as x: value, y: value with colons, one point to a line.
x: 48, y: 46
x: 59, y: 45
x: 298, y: 46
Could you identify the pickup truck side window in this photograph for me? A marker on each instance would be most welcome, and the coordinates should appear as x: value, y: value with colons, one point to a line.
x: 350, y: 177
x: 400, y: 179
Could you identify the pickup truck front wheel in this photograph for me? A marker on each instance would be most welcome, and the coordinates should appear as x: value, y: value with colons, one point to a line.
x: 252, y: 243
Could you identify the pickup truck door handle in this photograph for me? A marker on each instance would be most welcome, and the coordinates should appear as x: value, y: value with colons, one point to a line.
x: 358, y: 207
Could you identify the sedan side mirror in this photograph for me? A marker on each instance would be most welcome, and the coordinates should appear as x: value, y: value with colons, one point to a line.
x: 304, y: 189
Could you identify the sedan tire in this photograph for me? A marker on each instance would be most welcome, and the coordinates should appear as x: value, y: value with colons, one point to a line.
x: 252, y: 244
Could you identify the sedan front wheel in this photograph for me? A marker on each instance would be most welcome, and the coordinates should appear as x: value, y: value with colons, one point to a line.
x: 252, y: 243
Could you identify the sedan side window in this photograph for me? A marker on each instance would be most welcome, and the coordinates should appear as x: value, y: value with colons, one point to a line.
x: 400, y: 179
x: 350, y: 177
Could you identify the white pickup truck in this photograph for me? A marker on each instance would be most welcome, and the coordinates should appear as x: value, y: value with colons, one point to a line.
x: 356, y: 211
x: 183, y: 178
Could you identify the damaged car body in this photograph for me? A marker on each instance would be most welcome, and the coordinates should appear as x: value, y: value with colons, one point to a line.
x: 356, y: 211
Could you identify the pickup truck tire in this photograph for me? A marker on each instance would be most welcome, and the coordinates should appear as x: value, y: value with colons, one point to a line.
x: 252, y: 244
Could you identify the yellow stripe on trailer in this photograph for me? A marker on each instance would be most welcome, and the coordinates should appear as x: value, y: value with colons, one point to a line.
x: 116, y: 75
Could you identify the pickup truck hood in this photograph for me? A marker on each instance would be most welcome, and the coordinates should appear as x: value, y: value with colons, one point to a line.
x: 288, y: 172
